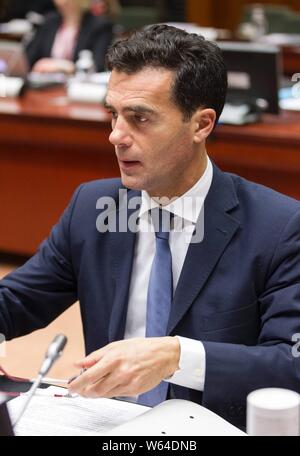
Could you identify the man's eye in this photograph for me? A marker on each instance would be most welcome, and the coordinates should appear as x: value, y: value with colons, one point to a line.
x: 113, y: 114
x: 140, y: 119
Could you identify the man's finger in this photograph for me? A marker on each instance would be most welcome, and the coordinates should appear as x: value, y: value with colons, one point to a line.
x: 91, y: 359
x: 90, y: 376
x: 85, y: 363
x: 103, y: 387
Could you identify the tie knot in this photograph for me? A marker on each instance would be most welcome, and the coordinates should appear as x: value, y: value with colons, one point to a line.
x: 161, y: 220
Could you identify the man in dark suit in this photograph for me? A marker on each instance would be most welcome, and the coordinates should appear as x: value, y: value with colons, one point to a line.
x: 216, y: 291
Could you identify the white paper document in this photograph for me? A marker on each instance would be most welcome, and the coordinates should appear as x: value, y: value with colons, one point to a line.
x: 64, y: 416
x: 48, y: 415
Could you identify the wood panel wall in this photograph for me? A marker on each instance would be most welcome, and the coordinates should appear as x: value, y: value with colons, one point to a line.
x: 225, y: 13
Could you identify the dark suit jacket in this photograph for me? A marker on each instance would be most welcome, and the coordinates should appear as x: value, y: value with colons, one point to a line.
x: 239, y: 290
x: 96, y: 33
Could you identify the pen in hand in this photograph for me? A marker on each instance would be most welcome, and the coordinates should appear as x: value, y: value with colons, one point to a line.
x: 50, y: 381
x: 62, y: 381
x: 76, y: 376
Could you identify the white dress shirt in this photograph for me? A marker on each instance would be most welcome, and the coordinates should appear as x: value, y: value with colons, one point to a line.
x: 191, y: 372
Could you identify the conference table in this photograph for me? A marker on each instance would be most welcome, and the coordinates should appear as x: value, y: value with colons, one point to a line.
x: 48, y: 146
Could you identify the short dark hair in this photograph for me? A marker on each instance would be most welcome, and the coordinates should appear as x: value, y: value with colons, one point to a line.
x: 200, y: 72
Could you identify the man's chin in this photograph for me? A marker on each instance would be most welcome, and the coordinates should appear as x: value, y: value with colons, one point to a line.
x: 131, y: 183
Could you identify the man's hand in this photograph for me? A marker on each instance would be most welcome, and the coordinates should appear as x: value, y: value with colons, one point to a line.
x: 127, y: 368
x: 49, y: 65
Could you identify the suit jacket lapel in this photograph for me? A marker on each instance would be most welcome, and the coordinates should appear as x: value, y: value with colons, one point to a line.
x: 202, y: 257
x: 122, y: 252
x: 85, y: 26
x: 48, y: 44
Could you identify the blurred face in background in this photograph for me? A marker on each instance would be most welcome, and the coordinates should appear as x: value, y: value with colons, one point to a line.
x: 72, y: 7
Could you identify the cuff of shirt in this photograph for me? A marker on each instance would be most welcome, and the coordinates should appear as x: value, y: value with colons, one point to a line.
x: 192, y: 363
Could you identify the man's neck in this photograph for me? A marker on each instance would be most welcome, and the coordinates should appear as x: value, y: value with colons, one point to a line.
x: 166, y: 195
x: 73, y: 20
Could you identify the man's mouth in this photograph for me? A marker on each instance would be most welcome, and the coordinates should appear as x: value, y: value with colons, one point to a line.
x: 128, y: 164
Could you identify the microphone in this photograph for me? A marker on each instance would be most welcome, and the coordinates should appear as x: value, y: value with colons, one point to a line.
x: 54, y: 351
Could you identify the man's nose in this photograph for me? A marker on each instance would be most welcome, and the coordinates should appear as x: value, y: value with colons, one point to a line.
x: 120, y: 135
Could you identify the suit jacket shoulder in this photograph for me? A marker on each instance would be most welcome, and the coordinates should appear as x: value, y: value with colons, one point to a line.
x: 264, y: 202
x: 96, y: 34
x: 41, y: 43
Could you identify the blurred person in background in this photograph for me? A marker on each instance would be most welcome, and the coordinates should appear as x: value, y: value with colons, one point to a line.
x: 110, y: 7
x: 72, y: 28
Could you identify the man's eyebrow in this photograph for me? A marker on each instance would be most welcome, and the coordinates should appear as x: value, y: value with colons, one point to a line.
x: 139, y: 109
x: 108, y: 106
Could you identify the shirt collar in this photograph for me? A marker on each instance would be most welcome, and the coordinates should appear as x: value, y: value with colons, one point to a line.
x: 187, y: 206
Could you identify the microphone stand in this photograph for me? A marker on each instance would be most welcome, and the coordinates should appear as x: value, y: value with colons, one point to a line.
x: 53, y: 353
x: 31, y: 393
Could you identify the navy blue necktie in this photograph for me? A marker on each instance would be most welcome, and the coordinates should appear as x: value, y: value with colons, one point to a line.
x: 160, y: 295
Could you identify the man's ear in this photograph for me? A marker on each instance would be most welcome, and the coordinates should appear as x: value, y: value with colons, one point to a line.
x: 203, y: 123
